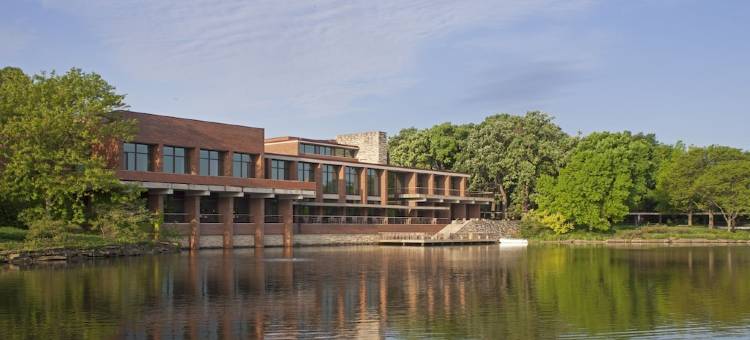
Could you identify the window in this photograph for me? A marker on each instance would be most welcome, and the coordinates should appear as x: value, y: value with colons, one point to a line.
x: 351, y: 178
x: 136, y: 157
x: 305, y: 172
x: 330, y: 179
x: 174, y: 208
x: 326, y: 150
x: 373, y: 182
x: 241, y: 210
x: 242, y: 165
x: 174, y: 160
x: 279, y: 170
x: 210, y: 165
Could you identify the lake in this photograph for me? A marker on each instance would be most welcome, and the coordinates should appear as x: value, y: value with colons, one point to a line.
x: 487, y: 292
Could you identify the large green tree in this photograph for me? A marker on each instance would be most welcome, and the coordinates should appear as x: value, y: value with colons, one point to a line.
x: 607, y: 175
x: 676, y: 180
x: 51, y: 127
x: 726, y: 187
x: 506, y: 154
x: 435, y: 148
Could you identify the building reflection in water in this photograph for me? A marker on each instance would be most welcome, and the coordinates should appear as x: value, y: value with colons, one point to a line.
x: 374, y: 292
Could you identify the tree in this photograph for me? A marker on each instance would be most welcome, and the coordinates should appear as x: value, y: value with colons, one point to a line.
x: 677, y: 178
x: 506, y: 154
x: 435, y: 148
x: 52, y: 126
x: 607, y: 174
x: 726, y: 186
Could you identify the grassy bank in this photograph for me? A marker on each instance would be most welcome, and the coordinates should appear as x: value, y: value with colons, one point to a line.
x: 15, y: 239
x: 647, y: 233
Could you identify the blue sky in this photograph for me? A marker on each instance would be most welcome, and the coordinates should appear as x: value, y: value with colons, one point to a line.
x: 677, y: 68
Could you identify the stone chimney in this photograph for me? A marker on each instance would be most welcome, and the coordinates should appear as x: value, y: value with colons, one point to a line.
x: 373, y: 146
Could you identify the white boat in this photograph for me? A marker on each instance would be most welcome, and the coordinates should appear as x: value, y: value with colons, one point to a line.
x: 513, y: 242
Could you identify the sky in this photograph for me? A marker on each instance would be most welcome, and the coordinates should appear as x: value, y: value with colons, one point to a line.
x: 676, y: 68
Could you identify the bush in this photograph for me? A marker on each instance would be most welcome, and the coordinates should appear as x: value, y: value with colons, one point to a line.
x: 12, y: 234
x: 537, y: 220
x: 130, y: 222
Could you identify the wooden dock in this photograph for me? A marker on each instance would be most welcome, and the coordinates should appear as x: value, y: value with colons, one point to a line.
x: 423, y: 239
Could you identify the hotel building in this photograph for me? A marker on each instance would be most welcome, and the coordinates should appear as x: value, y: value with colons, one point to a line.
x: 223, y: 185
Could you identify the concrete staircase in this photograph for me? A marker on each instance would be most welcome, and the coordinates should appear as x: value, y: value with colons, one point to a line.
x: 454, y: 227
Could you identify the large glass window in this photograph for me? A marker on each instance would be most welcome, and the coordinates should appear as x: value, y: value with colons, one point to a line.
x: 330, y: 178
x: 279, y: 170
x: 326, y: 150
x: 174, y: 159
x: 210, y: 164
x: 351, y: 179
x: 242, y: 165
x: 136, y: 157
x: 305, y: 172
x: 373, y: 182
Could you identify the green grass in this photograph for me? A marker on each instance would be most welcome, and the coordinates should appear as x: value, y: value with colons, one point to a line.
x: 649, y: 233
x: 15, y: 239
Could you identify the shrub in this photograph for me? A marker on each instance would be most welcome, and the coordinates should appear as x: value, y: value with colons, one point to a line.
x: 543, y: 219
x: 129, y: 222
x: 12, y: 234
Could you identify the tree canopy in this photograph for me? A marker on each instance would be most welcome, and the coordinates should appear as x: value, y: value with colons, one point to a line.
x: 607, y: 174
x: 434, y: 148
x: 51, y: 127
x: 506, y: 154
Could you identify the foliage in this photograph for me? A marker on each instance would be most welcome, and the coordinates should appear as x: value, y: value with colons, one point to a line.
x: 52, y: 127
x: 434, y: 148
x: 12, y: 234
x: 726, y: 187
x: 506, y: 154
x: 676, y: 181
x: 556, y: 222
x: 123, y: 221
x: 607, y: 174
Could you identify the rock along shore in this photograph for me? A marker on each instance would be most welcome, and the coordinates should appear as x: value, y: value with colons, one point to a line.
x: 27, y: 257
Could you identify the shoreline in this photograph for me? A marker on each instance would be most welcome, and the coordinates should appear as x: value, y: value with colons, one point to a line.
x: 668, y: 241
x: 73, y: 254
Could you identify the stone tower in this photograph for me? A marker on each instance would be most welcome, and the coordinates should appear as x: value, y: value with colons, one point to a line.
x: 373, y: 145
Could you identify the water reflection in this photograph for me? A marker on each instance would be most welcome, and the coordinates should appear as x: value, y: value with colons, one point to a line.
x: 371, y: 292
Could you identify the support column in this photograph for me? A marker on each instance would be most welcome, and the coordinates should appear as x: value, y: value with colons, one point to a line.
x: 293, y: 175
x: 462, y: 187
x: 193, y: 210
x: 260, y: 168
x: 318, y: 168
x: 363, y: 189
x: 156, y: 205
x: 431, y: 184
x: 226, y: 211
x: 158, y: 158
x: 411, y: 183
x: 258, y: 209
x: 194, y: 157
x: 447, y: 185
x: 473, y: 211
x: 226, y: 163
x: 384, y: 187
x: 286, y: 211
x: 342, y: 185
x: 458, y: 211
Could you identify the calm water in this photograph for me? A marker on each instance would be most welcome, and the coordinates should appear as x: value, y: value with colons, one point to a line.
x: 372, y: 292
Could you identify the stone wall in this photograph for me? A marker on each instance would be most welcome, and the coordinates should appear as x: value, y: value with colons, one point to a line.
x: 503, y: 228
x: 373, y: 146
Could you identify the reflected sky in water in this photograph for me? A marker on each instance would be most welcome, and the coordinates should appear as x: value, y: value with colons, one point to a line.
x: 393, y: 292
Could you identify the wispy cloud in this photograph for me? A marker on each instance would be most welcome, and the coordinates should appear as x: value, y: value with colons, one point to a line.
x: 310, y: 58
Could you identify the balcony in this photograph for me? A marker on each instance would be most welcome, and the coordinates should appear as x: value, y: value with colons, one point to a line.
x: 331, y: 219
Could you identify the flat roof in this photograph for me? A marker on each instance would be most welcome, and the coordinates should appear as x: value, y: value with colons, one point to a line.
x: 331, y: 142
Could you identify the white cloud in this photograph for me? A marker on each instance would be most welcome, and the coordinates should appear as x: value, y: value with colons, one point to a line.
x: 309, y: 58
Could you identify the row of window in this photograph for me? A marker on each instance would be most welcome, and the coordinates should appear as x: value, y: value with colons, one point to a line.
x: 137, y: 157
x: 279, y: 170
x: 313, y: 149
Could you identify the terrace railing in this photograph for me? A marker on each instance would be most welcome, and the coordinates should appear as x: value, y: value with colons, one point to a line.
x: 329, y: 219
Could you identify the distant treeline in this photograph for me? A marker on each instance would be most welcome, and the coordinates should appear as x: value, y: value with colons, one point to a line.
x: 538, y: 171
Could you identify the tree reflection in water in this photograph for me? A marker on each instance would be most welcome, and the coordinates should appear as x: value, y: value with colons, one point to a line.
x: 479, y: 291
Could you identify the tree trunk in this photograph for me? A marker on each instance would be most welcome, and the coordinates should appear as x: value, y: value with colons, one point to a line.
x: 690, y: 218
x: 710, y: 219
x: 730, y: 223
x: 504, y: 201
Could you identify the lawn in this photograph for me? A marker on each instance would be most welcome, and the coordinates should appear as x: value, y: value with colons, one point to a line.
x: 15, y: 239
x: 649, y: 233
